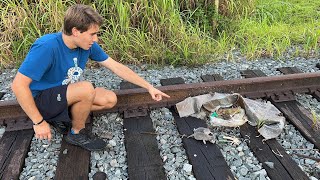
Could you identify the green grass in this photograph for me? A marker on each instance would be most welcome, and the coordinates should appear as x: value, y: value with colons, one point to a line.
x: 315, y: 120
x: 277, y: 25
x: 175, y: 32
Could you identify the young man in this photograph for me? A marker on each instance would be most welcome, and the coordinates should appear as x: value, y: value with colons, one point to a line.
x: 48, y: 85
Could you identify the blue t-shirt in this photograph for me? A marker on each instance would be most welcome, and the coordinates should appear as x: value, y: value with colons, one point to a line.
x: 51, y: 63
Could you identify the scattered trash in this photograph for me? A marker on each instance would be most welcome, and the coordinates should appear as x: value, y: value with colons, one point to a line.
x: 232, y: 110
x: 232, y: 140
x: 65, y: 151
x: 221, y: 108
x: 214, y: 114
x: 203, y: 134
x: 269, y: 164
x: 277, y: 153
x: 229, y: 117
x: 165, y: 158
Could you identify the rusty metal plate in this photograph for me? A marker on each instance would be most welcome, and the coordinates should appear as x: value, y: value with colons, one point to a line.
x: 213, y: 77
x: 252, y: 73
x: 289, y: 70
x: 316, y: 94
x: 10, y: 110
x: 172, y: 81
x: 140, y: 112
x: 18, y: 124
x: 282, y: 96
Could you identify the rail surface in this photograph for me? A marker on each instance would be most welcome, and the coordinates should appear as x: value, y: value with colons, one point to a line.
x: 132, y: 99
x: 143, y: 157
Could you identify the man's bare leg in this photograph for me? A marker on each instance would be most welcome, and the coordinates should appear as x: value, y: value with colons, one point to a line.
x: 80, y: 97
x: 104, y: 99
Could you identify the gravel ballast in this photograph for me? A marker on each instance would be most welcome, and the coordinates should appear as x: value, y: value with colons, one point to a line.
x: 241, y: 160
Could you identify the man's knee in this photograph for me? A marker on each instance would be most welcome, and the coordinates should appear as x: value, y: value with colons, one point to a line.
x: 110, y: 100
x: 80, y: 91
x: 113, y: 100
x: 105, y: 98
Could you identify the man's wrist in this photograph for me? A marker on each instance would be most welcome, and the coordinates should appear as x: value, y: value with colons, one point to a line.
x: 35, y: 124
x: 149, y: 87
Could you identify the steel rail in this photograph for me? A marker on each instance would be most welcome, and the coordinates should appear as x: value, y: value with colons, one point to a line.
x: 139, y: 98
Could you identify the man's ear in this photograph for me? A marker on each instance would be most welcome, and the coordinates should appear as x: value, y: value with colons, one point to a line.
x: 75, y: 32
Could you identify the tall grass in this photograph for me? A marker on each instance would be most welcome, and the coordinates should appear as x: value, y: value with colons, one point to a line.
x: 154, y: 28
x: 177, y: 32
x: 23, y: 22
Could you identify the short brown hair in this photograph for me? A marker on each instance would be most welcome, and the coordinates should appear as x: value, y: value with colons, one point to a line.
x: 81, y: 17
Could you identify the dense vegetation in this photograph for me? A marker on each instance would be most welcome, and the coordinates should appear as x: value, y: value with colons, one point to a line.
x: 177, y: 32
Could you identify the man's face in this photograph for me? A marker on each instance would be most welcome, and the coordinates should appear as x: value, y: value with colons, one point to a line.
x: 85, y: 39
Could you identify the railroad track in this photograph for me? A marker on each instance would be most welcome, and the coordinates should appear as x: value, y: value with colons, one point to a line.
x: 143, y: 158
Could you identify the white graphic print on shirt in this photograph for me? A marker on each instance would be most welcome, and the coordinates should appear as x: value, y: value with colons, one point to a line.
x: 74, y: 73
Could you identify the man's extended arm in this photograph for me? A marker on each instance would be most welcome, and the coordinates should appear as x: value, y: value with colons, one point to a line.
x: 20, y: 87
x: 127, y: 74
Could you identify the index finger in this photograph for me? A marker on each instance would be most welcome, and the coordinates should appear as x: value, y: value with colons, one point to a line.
x: 165, y: 95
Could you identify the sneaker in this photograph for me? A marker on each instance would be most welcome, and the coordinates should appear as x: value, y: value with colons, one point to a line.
x: 86, y: 140
x: 61, y: 127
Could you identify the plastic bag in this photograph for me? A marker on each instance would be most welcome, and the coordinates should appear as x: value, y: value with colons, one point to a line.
x: 232, y: 110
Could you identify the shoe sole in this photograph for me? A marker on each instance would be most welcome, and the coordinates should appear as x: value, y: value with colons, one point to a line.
x: 80, y: 145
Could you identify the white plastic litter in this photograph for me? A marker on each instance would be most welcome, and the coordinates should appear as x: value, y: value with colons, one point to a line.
x: 232, y: 110
x: 265, y: 115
